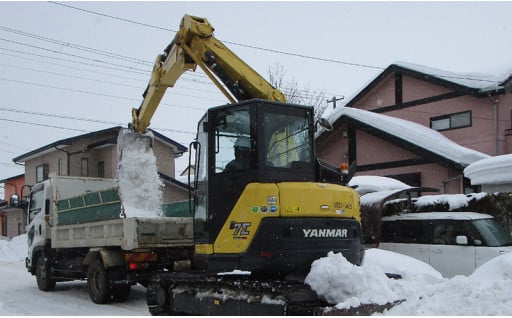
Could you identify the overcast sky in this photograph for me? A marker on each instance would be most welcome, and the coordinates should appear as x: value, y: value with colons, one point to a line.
x: 62, y: 68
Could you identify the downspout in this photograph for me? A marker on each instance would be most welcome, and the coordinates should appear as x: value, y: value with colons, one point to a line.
x: 496, y: 126
x: 461, y: 183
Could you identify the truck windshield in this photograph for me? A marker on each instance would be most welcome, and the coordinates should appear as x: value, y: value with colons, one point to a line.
x: 493, y: 233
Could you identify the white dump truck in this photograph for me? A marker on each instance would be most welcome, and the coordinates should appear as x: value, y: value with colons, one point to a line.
x: 78, y: 229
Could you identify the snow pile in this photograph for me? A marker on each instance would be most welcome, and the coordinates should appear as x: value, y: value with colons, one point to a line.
x: 365, y: 184
x: 454, y: 201
x: 14, y: 249
x: 342, y: 283
x: 139, y: 185
x: 486, y: 292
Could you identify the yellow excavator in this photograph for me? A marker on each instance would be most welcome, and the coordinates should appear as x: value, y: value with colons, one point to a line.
x: 262, y: 204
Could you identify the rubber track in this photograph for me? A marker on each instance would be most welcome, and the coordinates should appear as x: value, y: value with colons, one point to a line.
x: 299, y: 298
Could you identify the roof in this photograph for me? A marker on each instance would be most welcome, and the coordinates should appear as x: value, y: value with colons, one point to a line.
x: 178, y: 148
x: 173, y: 181
x: 476, y: 84
x: 438, y: 216
x: 428, y: 143
x: 12, y: 178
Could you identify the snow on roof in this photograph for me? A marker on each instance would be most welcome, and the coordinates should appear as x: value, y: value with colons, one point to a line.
x: 367, y: 184
x: 408, y: 131
x: 493, y: 170
x: 480, y: 81
x: 438, y: 216
x: 371, y: 198
x: 454, y: 201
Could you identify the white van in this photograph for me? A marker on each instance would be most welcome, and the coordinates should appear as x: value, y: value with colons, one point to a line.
x: 454, y: 243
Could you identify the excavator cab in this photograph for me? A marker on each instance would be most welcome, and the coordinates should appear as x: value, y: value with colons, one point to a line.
x: 253, y: 215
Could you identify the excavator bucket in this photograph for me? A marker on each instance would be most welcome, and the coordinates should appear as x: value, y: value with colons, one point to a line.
x: 128, y: 138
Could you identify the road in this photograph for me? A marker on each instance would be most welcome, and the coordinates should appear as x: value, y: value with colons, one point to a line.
x: 20, y: 296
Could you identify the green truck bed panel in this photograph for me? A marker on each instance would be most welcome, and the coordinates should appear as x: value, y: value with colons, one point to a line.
x: 92, y: 207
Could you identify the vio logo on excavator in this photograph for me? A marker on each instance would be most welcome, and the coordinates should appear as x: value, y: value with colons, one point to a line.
x: 240, y: 229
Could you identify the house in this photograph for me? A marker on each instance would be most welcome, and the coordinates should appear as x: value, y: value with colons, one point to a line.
x: 13, y: 218
x: 421, y: 126
x: 95, y: 155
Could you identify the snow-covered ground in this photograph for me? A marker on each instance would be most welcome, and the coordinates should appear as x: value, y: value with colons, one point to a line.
x: 486, y: 292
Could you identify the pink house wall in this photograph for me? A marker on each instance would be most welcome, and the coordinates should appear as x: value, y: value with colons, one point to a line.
x: 480, y: 136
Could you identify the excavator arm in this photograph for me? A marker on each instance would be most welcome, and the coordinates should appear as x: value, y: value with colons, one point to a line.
x: 194, y: 45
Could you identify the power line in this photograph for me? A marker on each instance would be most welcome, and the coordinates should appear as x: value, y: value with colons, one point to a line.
x: 39, y: 124
x: 76, y: 46
x: 329, y: 60
x: 130, y: 68
x: 93, y: 50
x: 91, y: 79
x: 108, y: 95
x: 225, y: 41
x: 77, y: 62
x: 66, y: 66
x: 113, y: 17
x: 66, y: 75
x: 86, y: 119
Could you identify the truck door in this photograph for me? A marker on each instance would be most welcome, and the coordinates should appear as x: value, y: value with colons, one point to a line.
x: 37, y: 229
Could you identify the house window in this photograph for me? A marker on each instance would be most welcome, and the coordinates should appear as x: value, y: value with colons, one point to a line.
x: 101, y: 169
x: 41, y: 173
x: 84, y: 167
x: 452, y: 121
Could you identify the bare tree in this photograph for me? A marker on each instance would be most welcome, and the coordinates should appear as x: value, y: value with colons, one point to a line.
x: 295, y: 94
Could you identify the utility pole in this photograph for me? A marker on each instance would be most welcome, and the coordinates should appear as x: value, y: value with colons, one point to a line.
x: 334, y: 100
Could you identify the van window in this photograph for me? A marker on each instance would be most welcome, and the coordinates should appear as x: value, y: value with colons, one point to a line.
x: 493, y: 233
x: 445, y: 232
x: 403, y: 232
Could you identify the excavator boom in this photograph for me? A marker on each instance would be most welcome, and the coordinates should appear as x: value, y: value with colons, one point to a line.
x: 194, y: 45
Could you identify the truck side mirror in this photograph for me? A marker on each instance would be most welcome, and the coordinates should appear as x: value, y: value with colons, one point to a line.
x: 14, y: 200
x: 461, y: 240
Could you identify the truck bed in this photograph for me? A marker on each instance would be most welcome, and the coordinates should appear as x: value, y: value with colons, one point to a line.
x: 127, y: 233
x: 88, y: 212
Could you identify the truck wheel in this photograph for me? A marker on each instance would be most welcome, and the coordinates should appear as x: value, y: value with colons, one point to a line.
x: 120, y: 294
x: 158, y: 300
x: 97, y: 283
x: 44, y: 277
